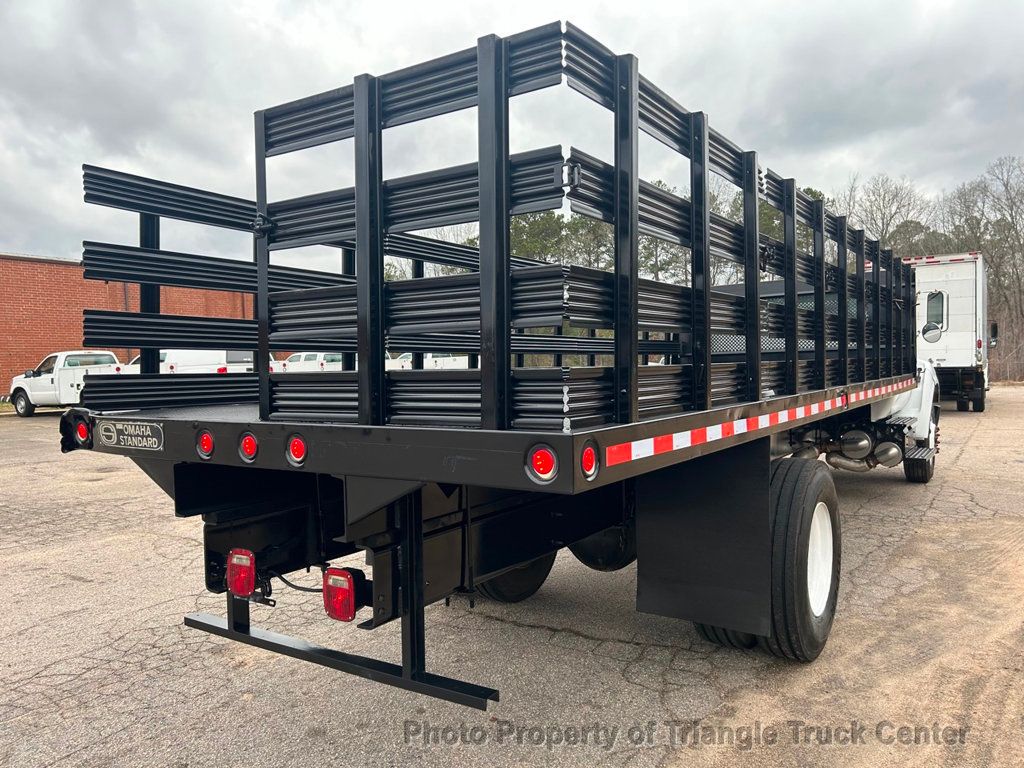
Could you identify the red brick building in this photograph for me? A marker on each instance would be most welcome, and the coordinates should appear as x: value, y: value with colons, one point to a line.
x: 41, y: 303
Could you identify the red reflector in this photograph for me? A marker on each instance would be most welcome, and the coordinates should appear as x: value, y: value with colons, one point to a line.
x: 339, y: 594
x: 222, y: 369
x: 588, y: 461
x: 543, y: 465
x: 204, y: 444
x: 979, y: 344
x: 296, y: 450
x: 117, y: 369
x: 241, y: 576
x: 248, y: 446
x: 82, y: 432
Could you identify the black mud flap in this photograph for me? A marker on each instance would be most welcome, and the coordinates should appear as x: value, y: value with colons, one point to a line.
x: 704, y: 539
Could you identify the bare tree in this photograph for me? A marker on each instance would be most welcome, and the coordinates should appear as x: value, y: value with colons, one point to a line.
x: 847, y: 200
x: 461, y: 234
x: 963, y: 215
x: 884, y: 203
x: 1004, y: 246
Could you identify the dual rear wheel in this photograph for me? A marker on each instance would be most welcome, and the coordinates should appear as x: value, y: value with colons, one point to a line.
x: 806, y: 548
x: 805, y: 560
x: 609, y: 550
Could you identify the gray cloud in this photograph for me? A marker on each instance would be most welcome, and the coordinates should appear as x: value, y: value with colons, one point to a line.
x: 931, y: 90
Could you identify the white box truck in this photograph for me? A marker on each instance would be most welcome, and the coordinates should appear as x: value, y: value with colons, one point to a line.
x: 952, y: 312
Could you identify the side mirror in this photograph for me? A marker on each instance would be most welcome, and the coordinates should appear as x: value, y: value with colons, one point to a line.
x: 994, y: 332
x: 931, y: 333
x: 29, y: 373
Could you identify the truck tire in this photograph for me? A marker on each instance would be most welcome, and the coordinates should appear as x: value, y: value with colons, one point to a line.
x: 22, y: 405
x: 978, y: 403
x: 922, y: 470
x: 519, y: 583
x: 731, y: 638
x: 609, y: 550
x: 806, y: 553
x: 728, y: 638
x: 962, y: 405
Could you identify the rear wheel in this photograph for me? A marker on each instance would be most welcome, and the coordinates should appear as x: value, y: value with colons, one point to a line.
x: 22, y: 405
x: 806, y: 548
x: 609, y: 550
x: 978, y: 403
x: 962, y: 405
x: 519, y: 583
x: 806, y: 553
x: 729, y: 638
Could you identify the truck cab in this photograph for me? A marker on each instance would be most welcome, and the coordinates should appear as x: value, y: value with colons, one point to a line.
x: 58, y: 379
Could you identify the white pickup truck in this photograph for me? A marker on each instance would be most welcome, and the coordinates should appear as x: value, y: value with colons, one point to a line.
x: 58, y: 379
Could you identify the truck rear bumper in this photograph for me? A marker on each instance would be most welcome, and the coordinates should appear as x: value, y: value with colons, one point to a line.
x: 457, y: 691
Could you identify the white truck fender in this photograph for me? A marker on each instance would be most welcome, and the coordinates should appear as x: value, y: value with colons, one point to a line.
x: 918, y: 402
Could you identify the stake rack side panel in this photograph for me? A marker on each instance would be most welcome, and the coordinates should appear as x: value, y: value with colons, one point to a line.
x: 823, y: 306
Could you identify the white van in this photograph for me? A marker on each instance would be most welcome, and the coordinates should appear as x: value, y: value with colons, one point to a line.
x: 316, y: 362
x: 199, y: 361
x: 312, y: 362
x: 432, y: 361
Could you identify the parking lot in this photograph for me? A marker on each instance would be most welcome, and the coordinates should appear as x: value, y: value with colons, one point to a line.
x: 98, y: 669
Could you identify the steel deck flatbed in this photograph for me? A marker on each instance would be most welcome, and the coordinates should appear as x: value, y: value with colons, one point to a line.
x: 625, y: 418
x: 495, y: 458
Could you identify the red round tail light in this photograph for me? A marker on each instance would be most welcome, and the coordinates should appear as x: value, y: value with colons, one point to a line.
x: 204, y: 444
x: 247, y: 447
x: 82, y: 432
x: 296, y: 450
x: 588, y: 462
x: 542, y: 464
x: 222, y: 369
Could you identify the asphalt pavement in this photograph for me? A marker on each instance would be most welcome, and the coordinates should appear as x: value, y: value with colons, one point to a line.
x: 924, y: 665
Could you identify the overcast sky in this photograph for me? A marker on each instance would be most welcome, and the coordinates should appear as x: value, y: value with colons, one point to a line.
x: 933, y: 90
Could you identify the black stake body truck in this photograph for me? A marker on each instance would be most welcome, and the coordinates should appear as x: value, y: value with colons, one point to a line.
x: 621, y: 417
